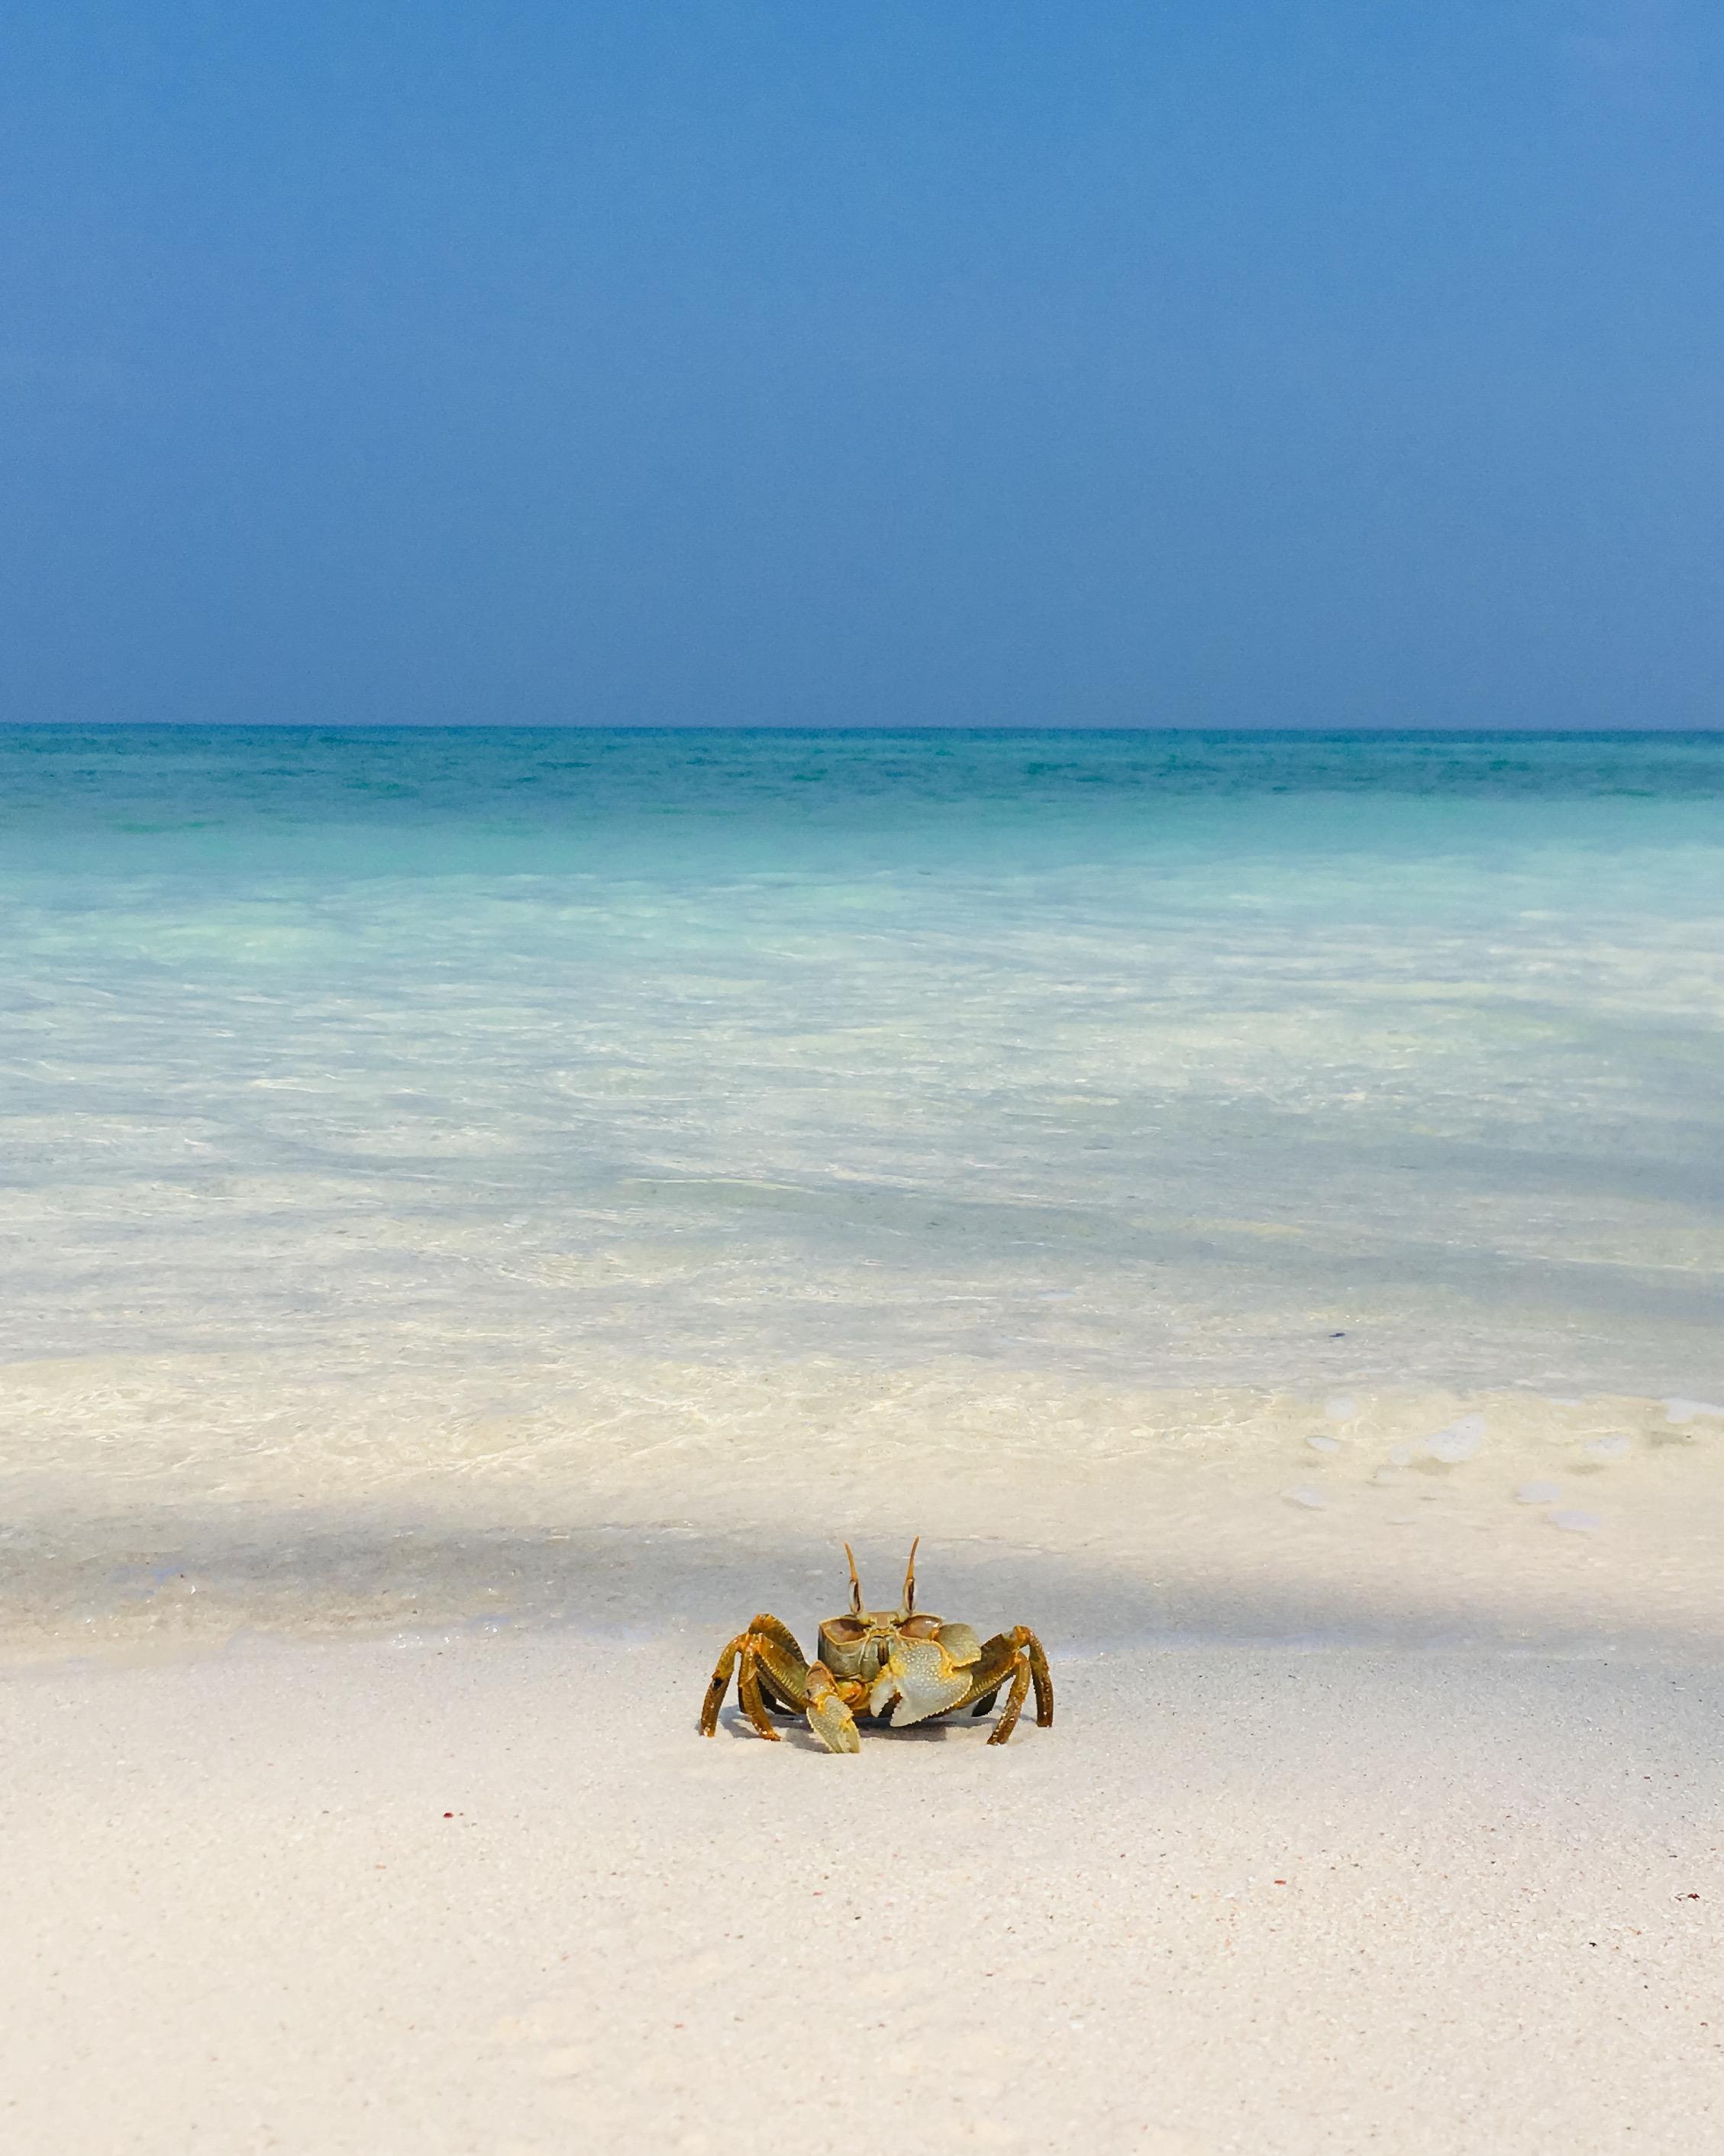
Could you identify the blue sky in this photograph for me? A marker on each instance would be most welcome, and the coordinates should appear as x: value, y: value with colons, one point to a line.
x: 1224, y: 364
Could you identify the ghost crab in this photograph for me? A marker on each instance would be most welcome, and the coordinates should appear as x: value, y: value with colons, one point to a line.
x: 892, y: 1665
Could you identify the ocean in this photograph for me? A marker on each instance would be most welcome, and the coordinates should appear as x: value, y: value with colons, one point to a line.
x: 434, y: 1159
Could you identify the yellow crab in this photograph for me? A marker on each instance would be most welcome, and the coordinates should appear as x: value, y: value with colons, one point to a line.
x: 883, y: 1665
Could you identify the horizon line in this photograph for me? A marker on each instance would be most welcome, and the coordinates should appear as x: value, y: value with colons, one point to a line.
x: 1439, y: 731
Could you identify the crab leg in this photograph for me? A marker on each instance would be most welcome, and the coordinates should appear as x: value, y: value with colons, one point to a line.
x: 1016, y: 1658
x: 766, y: 1650
x: 1014, y: 1703
x: 780, y: 1667
x: 748, y: 1696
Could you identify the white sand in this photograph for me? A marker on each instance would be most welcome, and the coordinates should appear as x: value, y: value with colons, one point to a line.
x: 1236, y: 1900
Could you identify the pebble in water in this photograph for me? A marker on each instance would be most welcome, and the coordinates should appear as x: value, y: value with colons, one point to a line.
x: 1538, y: 1493
x: 1460, y: 1441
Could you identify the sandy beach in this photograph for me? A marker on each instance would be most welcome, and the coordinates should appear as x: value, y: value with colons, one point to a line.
x: 467, y: 1896
x: 483, y: 1215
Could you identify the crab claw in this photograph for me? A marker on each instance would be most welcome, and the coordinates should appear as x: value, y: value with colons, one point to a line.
x: 922, y: 1677
x: 829, y: 1717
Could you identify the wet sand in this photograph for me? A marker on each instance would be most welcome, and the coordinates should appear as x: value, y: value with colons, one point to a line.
x: 420, y: 1897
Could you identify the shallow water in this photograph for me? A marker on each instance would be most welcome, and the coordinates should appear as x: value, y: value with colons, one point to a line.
x: 431, y: 1134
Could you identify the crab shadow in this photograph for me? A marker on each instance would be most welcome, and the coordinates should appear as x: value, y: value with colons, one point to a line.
x: 795, y: 1733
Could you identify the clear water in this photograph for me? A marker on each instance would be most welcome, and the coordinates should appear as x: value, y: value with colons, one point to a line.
x: 528, y: 1126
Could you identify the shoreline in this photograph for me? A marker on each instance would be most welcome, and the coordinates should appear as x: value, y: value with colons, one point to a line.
x: 1493, y: 1519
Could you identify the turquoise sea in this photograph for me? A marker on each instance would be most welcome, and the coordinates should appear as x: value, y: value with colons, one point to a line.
x: 548, y: 1130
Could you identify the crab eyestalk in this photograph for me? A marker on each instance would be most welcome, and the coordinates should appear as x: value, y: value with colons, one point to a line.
x: 909, y: 1608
